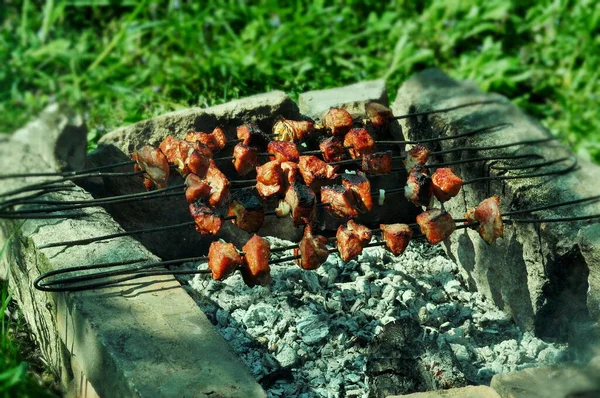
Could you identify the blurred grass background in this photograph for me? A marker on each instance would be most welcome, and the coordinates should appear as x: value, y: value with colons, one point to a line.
x: 122, y: 61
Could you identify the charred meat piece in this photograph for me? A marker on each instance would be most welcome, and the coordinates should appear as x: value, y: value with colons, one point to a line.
x: 416, y: 156
x: 215, y: 141
x: 315, y: 171
x: 377, y: 163
x: 255, y: 268
x: 491, y: 226
x: 351, y: 239
x: 342, y: 202
x: 155, y: 165
x: 332, y: 149
x: 284, y: 151
x: 436, y: 225
x: 196, y: 163
x: 269, y: 179
x: 361, y: 186
x: 293, y: 130
x: 183, y: 155
x: 220, y: 186
x: 361, y: 142
x: 223, y: 259
x: 378, y: 115
x: 396, y: 237
x: 245, y: 158
x: 446, y: 184
x: 302, y: 201
x: 418, y: 187
x: 247, y: 210
x: 291, y: 172
x: 196, y: 188
x: 338, y: 121
x: 252, y: 135
x: 311, y: 249
x: 207, y: 221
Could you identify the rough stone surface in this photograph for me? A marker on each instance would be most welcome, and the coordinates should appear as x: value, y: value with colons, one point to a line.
x: 352, y: 98
x: 560, y: 382
x: 544, y: 275
x: 464, y: 392
x: 138, y: 339
x: 64, y: 142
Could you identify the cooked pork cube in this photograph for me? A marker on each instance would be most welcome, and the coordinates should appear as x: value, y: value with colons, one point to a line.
x: 487, y: 213
x: 377, y: 163
x: 284, y: 151
x: 338, y: 121
x: 252, y: 135
x: 378, y: 115
x: 362, y: 188
x: 418, y: 187
x: 223, y: 260
x: 416, y: 156
x: 342, y: 202
x: 270, y: 179
x: 245, y: 158
x: 446, y: 184
x: 315, y: 171
x: 196, y: 188
x: 311, y: 249
x: 255, y: 268
x: 293, y: 130
x: 220, y: 186
x: 332, y: 149
x: 351, y: 239
x: 155, y: 166
x: 248, y: 211
x: 215, y: 141
x: 436, y: 225
x: 361, y: 142
x: 291, y: 172
x: 302, y: 201
x: 207, y: 221
x: 396, y: 237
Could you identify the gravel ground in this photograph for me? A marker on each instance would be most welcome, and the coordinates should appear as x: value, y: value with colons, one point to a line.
x: 309, y: 333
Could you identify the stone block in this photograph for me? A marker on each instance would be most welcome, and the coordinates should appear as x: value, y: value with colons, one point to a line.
x: 545, y: 275
x: 463, y: 392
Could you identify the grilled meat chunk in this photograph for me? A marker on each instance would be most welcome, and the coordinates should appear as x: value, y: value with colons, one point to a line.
x: 223, y: 259
x: 207, y: 221
x: 446, y: 184
x: 342, y: 202
x: 247, y: 210
x: 418, y: 187
x: 377, y: 163
x: 316, y: 172
x: 491, y: 226
x: 220, y: 186
x: 332, y: 149
x: 154, y: 164
x: 183, y: 155
x: 215, y: 141
x: 252, y: 135
x: 351, y: 239
x: 361, y: 186
x: 416, y: 156
x: 284, y: 151
x: 291, y: 172
x: 293, y: 130
x: 436, y: 225
x: 311, y: 249
x: 245, y: 158
x: 361, y: 142
x: 302, y: 201
x: 196, y: 188
x: 396, y: 237
x: 255, y: 268
x: 378, y: 115
x: 270, y: 179
x: 338, y: 121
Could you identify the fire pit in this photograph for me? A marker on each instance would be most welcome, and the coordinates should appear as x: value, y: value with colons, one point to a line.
x: 377, y: 324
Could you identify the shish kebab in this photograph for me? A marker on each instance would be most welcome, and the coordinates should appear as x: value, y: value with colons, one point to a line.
x: 253, y: 262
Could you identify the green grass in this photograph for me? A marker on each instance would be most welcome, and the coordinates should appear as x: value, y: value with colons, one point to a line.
x: 120, y: 62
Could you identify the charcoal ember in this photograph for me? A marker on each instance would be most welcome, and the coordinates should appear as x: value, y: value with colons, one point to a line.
x: 377, y: 163
x: 284, y: 151
x: 247, y: 209
x: 223, y: 259
x: 196, y: 188
x: 293, y: 130
x: 361, y: 142
x: 446, y: 184
x: 316, y: 172
x: 416, y: 156
x: 245, y: 158
x: 396, y: 237
x: 220, y: 186
x: 215, y: 141
x: 332, y: 149
x: 255, y: 268
x: 351, y: 239
x: 338, y: 121
x: 208, y: 222
x: 487, y: 214
x: 270, y: 180
x: 436, y: 225
x: 418, y: 188
x: 361, y: 186
x: 302, y: 201
x: 341, y: 201
x: 252, y: 135
x: 311, y: 249
x: 155, y: 166
x: 378, y: 115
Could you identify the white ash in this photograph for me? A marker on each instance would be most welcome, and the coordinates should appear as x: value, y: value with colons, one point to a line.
x: 308, y: 334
